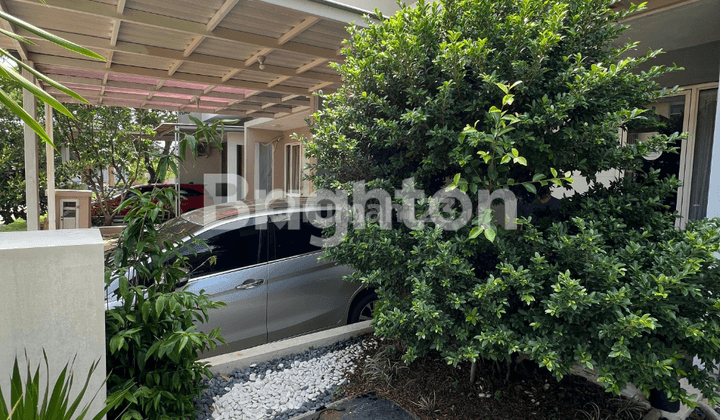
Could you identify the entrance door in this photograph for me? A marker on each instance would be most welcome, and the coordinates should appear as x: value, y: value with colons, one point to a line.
x: 672, y: 115
x: 69, y: 214
x: 693, y: 111
x: 699, y: 179
x: 265, y: 168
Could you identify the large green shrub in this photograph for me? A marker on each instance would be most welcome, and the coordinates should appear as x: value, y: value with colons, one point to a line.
x: 490, y: 95
x: 152, y: 342
x: 153, y: 347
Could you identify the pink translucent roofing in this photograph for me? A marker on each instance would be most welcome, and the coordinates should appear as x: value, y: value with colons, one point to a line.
x: 143, y: 86
x: 132, y: 79
x: 82, y: 87
x: 162, y: 104
x: 173, y: 95
x: 185, y: 85
x: 128, y: 91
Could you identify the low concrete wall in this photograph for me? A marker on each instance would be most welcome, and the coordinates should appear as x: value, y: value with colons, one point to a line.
x: 51, y: 297
x: 225, y: 364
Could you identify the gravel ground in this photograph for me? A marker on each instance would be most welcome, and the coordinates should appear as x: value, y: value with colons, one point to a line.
x: 282, y: 388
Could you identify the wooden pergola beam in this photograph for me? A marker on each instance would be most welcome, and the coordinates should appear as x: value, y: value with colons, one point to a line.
x: 137, y: 49
x: 297, y: 100
x: 220, y: 14
x: 161, y: 74
x: 297, y: 30
x: 310, y: 65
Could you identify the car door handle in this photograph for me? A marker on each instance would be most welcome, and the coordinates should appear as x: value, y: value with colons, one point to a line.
x: 249, y: 284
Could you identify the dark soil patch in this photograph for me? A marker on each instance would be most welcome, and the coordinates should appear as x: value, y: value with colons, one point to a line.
x: 431, y: 389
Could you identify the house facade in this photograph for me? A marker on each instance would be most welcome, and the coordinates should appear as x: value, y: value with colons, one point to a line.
x: 689, y: 36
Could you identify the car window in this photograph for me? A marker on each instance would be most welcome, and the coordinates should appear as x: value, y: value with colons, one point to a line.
x: 233, y: 247
x: 289, y: 241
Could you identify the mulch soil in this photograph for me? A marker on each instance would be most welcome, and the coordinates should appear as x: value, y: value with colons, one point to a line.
x: 431, y: 389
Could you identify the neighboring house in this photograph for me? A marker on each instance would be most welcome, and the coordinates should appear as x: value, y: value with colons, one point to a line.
x: 688, y: 33
x: 266, y: 152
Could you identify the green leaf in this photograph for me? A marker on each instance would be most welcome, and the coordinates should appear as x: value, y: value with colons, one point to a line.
x: 521, y: 160
x: 17, y: 38
x: 490, y: 234
x: 475, y: 232
x: 530, y: 187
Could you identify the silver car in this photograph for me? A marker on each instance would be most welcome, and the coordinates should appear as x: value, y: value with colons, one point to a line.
x: 268, y: 274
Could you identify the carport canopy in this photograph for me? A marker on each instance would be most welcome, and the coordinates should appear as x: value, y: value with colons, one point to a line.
x: 241, y: 58
x: 246, y: 58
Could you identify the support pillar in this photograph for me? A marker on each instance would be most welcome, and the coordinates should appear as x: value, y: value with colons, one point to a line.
x: 32, y: 185
x: 50, y: 158
x: 713, y: 207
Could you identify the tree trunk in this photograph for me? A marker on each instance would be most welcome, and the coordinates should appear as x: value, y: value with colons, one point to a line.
x: 473, y: 372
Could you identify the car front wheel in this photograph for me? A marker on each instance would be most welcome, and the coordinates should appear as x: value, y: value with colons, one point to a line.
x: 363, y: 308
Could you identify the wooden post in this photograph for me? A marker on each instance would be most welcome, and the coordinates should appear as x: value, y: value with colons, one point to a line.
x: 32, y: 193
x: 50, y: 158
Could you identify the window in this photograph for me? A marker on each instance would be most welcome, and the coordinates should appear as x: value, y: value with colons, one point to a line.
x: 702, y: 155
x: 293, y: 169
x: 233, y: 247
x: 288, y: 240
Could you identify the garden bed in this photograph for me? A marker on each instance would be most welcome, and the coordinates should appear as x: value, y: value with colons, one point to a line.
x: 428, y: 388
x: 432, y: 389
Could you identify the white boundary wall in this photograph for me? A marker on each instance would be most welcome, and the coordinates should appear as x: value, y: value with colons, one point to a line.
x: 51, y: 297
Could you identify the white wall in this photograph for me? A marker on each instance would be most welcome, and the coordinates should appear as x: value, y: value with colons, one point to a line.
x: 192, y: 171
x: 51, y: 297
x: 386, y: 7
x: 581, y: 186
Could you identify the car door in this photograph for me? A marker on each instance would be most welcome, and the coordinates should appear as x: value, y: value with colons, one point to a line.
x: 304, y: 294
x: 238, y: 278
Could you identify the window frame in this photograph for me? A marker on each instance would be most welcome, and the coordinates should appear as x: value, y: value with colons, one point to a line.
x: 272, y: 239
x: 252, y: 222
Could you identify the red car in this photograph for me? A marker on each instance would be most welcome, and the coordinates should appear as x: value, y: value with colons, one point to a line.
x: 193, y: 196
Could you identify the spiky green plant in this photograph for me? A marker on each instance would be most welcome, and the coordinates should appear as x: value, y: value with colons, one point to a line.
x: 25, y: 396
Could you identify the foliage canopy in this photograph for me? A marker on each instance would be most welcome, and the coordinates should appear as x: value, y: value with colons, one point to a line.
x: 493, y: 95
